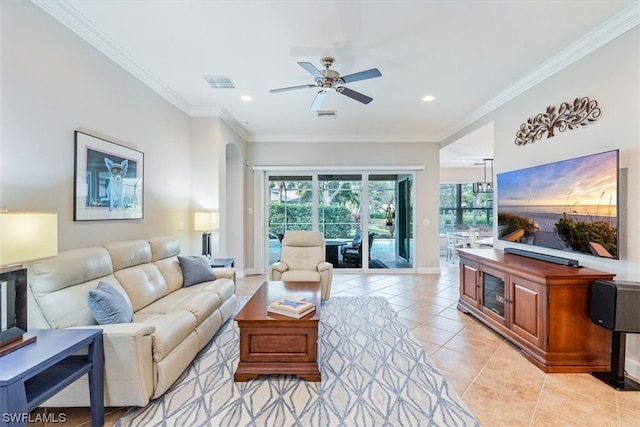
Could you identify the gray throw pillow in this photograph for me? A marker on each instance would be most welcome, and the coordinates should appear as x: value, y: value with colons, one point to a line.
x: 108, y: 306
x: 195, y: 269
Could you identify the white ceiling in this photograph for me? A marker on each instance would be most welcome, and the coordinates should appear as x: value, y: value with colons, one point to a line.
x: 471, y: 55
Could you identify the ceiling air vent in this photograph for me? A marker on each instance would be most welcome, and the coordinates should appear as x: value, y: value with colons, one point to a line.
x: 326, y: 114
x: 220, y: 82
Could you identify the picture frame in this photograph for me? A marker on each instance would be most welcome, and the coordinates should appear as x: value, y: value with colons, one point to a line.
x: 108, y: 181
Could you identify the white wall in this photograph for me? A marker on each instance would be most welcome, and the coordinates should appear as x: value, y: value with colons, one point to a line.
x: 462, y: 175
x: 54, y: 83
x: 610, y: 76
x: 366, y: 154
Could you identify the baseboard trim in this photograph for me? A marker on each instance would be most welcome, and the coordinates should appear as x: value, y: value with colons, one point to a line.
x: 633, y: 368
x: 429, y: 271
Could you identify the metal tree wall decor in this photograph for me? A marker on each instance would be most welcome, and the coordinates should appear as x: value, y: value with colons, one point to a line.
x: 568, y: 116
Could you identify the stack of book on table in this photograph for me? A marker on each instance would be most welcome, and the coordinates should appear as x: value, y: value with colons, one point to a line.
x: 291, y: 307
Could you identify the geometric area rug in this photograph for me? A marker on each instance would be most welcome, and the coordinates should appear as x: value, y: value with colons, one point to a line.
x: 374, y: 373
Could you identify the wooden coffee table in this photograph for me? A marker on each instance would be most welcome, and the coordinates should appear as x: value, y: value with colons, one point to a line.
x: 275, y: 344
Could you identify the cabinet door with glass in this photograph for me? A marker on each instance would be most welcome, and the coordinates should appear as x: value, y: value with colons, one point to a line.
x: 494, y: 298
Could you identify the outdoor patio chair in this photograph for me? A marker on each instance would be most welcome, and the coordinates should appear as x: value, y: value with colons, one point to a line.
x: 352, y: 257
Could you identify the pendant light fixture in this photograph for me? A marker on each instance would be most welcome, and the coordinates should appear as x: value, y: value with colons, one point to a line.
x: 485, y: 186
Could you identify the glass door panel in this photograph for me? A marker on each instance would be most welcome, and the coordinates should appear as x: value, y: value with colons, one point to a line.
x: 404, y: 218
x: 389, y: 221
x: 290, y: 208
x: 339, y: 216
x: 493, y: 298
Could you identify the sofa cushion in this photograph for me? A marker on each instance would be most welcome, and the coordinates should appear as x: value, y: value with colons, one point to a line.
x: 163, y: 247
x: 128, y: 253
x: 301, y: 276
x: 225, y: 288
x: 143, y: 283
x: 59, y: 286
x: 171, y: 329
x: 69, y: 268
x: 108, y: 306
x: 195, y: 269
x: 201, y: 304
x: 171, y: 271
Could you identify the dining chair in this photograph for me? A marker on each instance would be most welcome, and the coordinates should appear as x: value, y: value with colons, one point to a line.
x: 452, y: 245
x: 473, y: 240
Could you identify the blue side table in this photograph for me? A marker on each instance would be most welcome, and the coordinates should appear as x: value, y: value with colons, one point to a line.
x: 32, y: 374
x: 222, y: 262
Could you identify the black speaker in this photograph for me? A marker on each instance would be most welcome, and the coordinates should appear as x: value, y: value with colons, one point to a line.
x: 615, y: 305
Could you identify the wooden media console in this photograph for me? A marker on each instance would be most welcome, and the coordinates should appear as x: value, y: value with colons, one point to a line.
x: 541, y: 307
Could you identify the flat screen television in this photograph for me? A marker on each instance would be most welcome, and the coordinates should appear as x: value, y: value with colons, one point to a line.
x: 570, y: 205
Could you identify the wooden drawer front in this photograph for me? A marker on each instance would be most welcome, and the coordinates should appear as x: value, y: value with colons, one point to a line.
x: 278, y: 345
x: 527, y: 306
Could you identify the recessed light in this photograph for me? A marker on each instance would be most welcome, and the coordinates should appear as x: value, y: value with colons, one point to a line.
x: 428, y: 98
x: 246, y: 98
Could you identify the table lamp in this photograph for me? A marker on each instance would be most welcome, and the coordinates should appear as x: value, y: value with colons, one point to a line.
x: 206, y: 222
x: 24, y: 236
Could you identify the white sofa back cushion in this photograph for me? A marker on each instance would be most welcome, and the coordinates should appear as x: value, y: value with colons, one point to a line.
x: 143, y: 283
x: 164, y: 254
x: 60, y: 285
x: 163, y: 247
x: 129, y: 253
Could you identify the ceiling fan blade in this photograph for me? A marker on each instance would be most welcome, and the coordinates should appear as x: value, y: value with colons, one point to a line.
x: 354, y: 95
x: 284, y: 89
x: 317, y: 101
x: 311, y: 69
x: 362, y: 75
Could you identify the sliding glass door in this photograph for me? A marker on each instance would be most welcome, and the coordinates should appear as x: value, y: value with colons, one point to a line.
x: 289, y: 208
x: 366, y: 218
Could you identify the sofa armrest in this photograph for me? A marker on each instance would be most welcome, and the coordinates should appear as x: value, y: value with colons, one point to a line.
x: 128, y: 361
x: 224, y: 272
x: 324, y: 266
x: 279, y: 266
x: 276, y: 269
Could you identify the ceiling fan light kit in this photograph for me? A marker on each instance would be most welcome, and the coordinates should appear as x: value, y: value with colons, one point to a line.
x: 329, y: 79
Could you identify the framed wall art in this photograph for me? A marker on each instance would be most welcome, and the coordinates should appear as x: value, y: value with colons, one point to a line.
x: 108, y: 180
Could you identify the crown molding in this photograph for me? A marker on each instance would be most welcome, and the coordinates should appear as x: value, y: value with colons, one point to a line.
x: 614, y: 27
x: 224, y: 115
x: 233, y: 124
x: 341, y: 139
x: 76, y: 22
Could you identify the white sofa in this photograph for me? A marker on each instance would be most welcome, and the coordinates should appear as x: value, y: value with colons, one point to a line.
x: 171, y: 323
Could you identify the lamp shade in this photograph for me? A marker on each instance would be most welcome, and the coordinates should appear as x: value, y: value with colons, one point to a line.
x: 26, y: 236
x: 206, y: 221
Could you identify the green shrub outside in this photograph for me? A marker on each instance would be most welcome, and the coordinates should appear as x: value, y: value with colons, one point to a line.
x: 509, y: 223
x: 578, y: 234
x: 334, y: 221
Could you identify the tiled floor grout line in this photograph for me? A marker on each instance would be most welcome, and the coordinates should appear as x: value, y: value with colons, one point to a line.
x: 535, y: 408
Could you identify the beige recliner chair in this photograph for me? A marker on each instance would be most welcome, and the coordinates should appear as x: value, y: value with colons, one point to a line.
x: 303, y: 259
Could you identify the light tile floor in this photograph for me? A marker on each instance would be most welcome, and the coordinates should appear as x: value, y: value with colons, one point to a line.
x: 500, y: 387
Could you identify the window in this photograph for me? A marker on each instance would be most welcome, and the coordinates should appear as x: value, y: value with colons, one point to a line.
x: 460, y: 208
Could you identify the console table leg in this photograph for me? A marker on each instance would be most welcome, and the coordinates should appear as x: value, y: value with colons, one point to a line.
x: 96, y: 382
x: 13, y: 405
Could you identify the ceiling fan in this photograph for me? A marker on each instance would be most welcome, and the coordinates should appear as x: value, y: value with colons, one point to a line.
x: 329, y: 79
